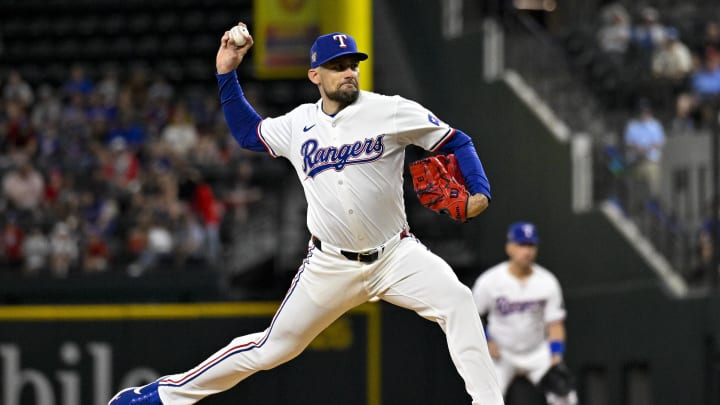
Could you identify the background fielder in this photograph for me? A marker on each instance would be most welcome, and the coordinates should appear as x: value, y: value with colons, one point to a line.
x: 525, y: 312
x: 348, y: 152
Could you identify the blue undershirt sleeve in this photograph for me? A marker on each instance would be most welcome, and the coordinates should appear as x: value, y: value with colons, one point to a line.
x: 470, y: 166
x: 241, y: 118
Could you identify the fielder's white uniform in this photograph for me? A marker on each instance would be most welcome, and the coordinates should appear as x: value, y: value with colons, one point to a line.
x: 518, y: 313
x: 351, y: 169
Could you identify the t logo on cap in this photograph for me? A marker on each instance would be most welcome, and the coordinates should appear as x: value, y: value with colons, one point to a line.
x: 524, y: 233
x: 331, y: 46
x: 341, y: 38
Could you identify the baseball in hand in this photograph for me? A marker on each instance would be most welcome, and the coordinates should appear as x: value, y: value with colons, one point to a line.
x: 238, y: 35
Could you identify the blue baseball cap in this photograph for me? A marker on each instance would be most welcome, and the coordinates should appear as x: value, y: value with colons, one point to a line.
x: 330, y: 46
x: 524, y: 233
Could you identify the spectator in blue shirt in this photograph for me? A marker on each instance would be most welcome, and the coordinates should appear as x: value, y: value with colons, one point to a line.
x: 705, y: 81
x: 644, y: 140
x: 78, y: 82
x: 649, y: 33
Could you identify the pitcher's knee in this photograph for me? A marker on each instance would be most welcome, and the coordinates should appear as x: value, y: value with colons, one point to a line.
x: 457, y: 301
x: 272, y: 360
x: 265, y: 354
x: 462, y: 296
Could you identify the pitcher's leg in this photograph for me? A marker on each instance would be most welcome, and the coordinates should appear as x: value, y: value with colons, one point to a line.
x: 298, y: 320
x: 422, y: 281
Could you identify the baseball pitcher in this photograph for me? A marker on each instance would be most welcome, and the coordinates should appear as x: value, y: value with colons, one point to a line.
x: 348, y: 151
x: 525, y: 328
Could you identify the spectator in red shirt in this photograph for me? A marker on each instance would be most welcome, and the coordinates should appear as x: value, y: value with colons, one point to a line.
x: 121, y: 168
x: 96, y: 256
x: 12, y: 242
x: 19, y: 133
x: 208, y: 208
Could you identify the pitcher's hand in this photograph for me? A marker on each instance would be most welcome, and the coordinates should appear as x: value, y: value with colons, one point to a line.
x: 229, y: 56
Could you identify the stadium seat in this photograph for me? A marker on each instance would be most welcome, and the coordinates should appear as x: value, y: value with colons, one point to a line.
x: 69, y: 49
x: 114, y: 24
x: 140, y: 23
x: 148, y: 46
x: 166, y: 22
x: 193, y: 21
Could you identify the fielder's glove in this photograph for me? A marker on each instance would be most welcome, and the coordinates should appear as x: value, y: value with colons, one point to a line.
x: 558, y: 380
x: 439, y: 185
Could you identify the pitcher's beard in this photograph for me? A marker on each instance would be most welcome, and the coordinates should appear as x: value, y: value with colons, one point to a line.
x: 344, y: 97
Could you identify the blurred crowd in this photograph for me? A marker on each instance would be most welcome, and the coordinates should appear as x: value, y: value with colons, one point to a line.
x: 654, y: 71
x: 674, y: 64
x: 667, y: 68
x: 125, y: 172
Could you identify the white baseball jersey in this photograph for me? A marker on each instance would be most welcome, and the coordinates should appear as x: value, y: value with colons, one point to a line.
x: 351, y: 168
x: 351, y: 164
x: 518, y: 311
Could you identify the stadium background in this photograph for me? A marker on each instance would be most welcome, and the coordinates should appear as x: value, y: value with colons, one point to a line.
x: 637, y: 333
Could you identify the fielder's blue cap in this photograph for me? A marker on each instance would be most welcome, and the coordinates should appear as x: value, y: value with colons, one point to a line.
x: 330, y: 46
x: 523, y: 233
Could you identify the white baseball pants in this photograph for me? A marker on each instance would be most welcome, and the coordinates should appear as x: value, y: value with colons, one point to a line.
x: 326, y: 286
